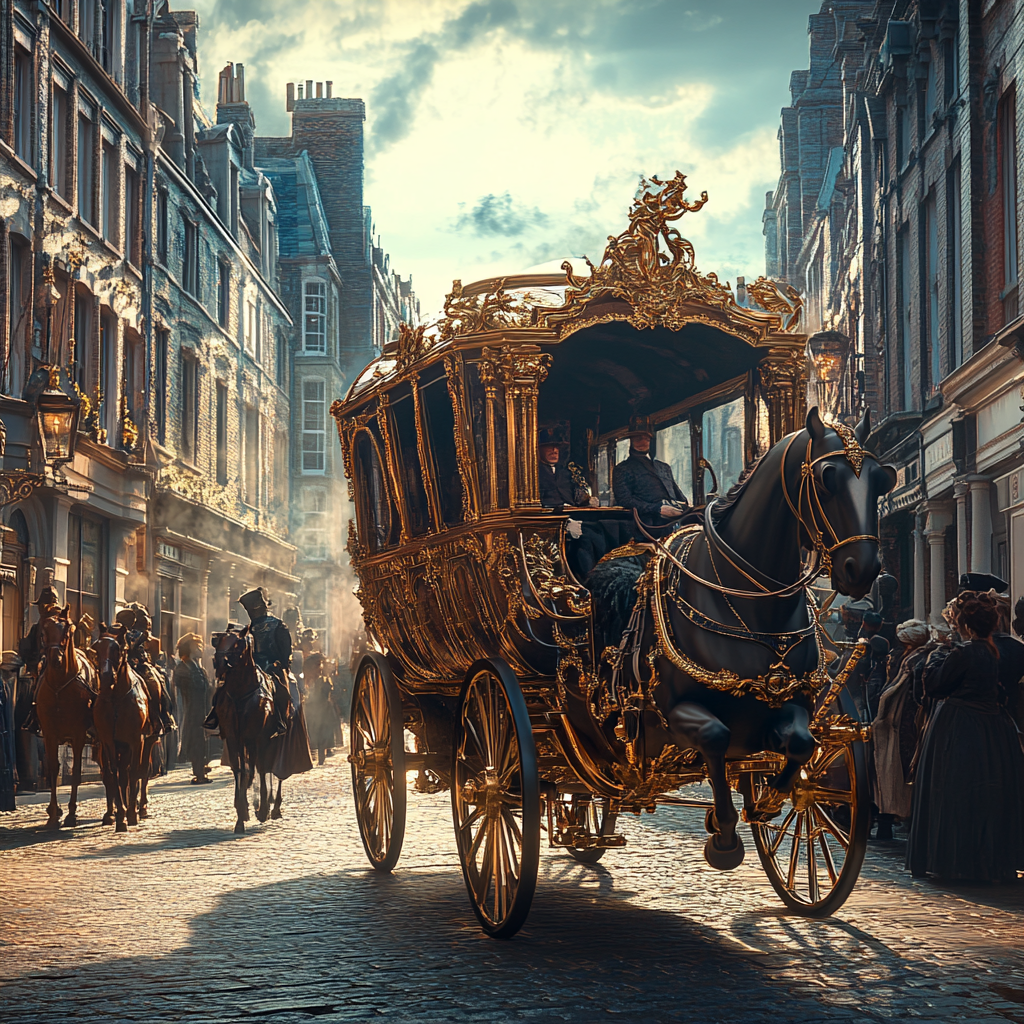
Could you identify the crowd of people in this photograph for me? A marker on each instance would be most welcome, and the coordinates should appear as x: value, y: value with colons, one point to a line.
x: 946, y: 702
x: 184, y: 691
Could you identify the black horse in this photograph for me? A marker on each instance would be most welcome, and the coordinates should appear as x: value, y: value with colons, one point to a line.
x: 731, y: 598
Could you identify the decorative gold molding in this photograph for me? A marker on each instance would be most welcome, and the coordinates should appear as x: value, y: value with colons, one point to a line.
x: 476, y: 314
x: 777, y: 298
x: 463, y: 437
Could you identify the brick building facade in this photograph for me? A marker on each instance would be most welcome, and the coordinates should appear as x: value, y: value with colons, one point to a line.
x: 146, y: 252
x: 897, y: 214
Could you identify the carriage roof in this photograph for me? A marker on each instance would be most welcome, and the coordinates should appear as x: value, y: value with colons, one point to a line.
x: 644, y: 331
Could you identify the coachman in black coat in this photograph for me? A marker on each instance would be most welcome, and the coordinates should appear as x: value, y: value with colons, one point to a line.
x: 643, y: 483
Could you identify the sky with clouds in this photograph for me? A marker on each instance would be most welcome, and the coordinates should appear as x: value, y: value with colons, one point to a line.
x: 502, y: 134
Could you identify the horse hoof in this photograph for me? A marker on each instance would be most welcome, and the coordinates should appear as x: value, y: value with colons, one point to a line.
x: 143, y: 813
x: 133, y: 820
x: 723, y: 860
x: 261, y: 817
x: 275, y: 813
x: 121, y: 827
x: 108, y: 819
x: 239, y: 827
x: 71, y: 821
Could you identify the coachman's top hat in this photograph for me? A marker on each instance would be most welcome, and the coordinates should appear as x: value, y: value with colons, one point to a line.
x: 640, y: 425
x: 255, y: 601
x: 550, y: 435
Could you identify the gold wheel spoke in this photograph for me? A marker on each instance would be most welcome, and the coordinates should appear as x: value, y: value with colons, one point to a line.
x: 484, y: 875
x: 773, y: 847
x: 472, y: 819
x: 818, y: 767
x: 812, y: 866
x: 513, y: 826
x: 841, y: 835
x: 470, y: 731
x: 794, y: 853
x: 826, y: 853
x: 481, y: 834
x: 827, y: 795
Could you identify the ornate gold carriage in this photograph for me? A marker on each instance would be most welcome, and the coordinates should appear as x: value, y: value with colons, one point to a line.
x: 470, y: 588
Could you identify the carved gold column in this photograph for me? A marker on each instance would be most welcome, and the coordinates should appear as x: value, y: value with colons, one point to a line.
x: 394, y: 466
x: 784, y: 380
x: 524, y: 369
x: 489, y: 377
x: 463, y: 437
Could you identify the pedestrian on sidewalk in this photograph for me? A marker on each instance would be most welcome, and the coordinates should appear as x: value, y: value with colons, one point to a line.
x: 966, y: 822
x: 894, y: 730
x: 191, y: 681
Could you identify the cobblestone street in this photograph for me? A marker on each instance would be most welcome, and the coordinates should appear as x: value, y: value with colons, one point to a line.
x: 182, y: 920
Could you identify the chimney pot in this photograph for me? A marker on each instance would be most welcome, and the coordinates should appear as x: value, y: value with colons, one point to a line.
x: 289, y: 103
x: 330, y: 85
x: 240, y: 76
x: 319, y: 90
x: 309, y: 88
x: 299, y: 96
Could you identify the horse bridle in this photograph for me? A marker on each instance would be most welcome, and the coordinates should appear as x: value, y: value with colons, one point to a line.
x: 822, y: 562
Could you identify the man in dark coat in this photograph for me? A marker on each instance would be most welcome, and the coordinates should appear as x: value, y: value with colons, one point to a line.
x: 643, y: 483
x: 191, y: 682
x: 557, y: 486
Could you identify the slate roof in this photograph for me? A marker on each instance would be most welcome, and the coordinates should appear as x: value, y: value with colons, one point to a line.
x: 301, y: 222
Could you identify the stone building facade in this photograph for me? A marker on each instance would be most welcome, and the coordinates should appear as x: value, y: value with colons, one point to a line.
x: 346, y: 303
x: 897, y: 214
x: 147, y: 253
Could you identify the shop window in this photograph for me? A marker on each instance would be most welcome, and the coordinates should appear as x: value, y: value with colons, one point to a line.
x: 440, y: 421
x: 87, y: 571
x: 314, y: 426
x: 314, y: 325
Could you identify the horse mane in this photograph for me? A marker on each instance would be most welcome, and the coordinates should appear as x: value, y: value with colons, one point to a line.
x: 722, y: 505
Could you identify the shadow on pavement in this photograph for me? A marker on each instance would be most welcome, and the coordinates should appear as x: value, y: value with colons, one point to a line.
x: 358, y: 946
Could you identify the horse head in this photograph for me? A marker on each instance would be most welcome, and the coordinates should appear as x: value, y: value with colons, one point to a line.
x: 109, y: 653
x: 55, y: 633
x: 838, y: 501
x: 232, y: 650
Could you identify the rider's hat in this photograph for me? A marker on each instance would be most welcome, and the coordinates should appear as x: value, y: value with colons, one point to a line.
x: 126, y: 617
x: 188, y: 638
x: 982, y: 581
x: 255, y: 601
x: 638, y: 425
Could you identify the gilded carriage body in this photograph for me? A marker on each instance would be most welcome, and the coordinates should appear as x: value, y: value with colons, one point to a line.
x: 462, y: 571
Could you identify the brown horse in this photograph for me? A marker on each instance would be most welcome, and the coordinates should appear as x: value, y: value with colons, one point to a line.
x: 126, y: 725
x: 245, y: 710
x: 64, y: 697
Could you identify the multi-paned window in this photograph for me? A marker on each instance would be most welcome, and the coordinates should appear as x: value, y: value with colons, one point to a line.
x: 314, y: 506
x: 162, y: 226
x: 223, y: 292
x: 86, y: 184
x: 314, y: 426
x: 132, y: 236
x: 189, y: 406
x: 222, y: 432
x: 59, y: 176
x: 1008, y: 180
x: 23, y: 104
x: 108, y: 168
x: 87, y: 568
x: 249, y: 321
x: 190, y: 258
x: 252, y: 455
x: 314, y: 325
x: 163, y: 345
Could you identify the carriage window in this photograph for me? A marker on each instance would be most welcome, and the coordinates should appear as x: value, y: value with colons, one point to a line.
x: 604, y: 484
x: 373, y: 508
x: 674, y: 447
x: 403, y: 427
x: 440, y: 419
x: 723, y: 442
x: 621, y: 450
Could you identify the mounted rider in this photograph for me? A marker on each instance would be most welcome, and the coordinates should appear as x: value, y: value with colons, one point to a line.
x: 142, y: 651
x: 642, y: 483
x: 272, y: 651
x: 30, y: 650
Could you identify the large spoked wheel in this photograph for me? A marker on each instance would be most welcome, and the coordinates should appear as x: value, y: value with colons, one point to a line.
x: 378, y: 761
x: 496, y: 798
x: 813, y: 851
x: 595, y: 819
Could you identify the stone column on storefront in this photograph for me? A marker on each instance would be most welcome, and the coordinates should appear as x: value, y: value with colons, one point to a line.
x: 919, y: 546
x: 981, y: 523
x: 935, y: 532
x: 960, y: 491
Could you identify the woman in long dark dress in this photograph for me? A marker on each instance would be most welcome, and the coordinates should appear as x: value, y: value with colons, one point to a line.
x: 966, y: 823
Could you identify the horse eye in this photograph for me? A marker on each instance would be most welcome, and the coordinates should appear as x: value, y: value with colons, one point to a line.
x: 828, y: 478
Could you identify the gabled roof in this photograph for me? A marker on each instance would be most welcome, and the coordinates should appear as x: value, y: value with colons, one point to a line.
x: 301, y: 221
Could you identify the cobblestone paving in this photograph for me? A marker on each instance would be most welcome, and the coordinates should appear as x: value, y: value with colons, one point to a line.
x: 181, y: 920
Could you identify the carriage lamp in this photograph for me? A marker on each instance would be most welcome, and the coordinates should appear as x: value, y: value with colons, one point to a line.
x: 830, y: 354
x: 57, y: 414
